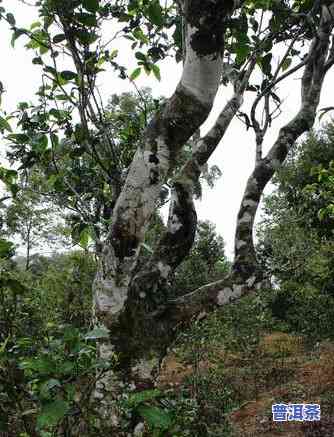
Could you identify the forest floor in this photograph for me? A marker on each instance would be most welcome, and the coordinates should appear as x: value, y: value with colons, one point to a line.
x: 238, y: 374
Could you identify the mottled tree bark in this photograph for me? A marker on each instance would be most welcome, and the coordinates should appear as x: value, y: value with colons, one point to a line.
x: 246, y: 275
x: 122, y: 301
x: 134, y: 304
x: 148, y: 287
x: 185, y: 111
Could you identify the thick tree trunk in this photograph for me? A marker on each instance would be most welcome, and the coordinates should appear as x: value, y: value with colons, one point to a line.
x: 131, y: 304
x: 120, y: 300
x: 169, y: 130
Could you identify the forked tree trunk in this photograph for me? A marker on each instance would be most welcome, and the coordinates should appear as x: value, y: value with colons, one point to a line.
x: 119, y: 299
x: 134, y: 305
x: 246, y: 276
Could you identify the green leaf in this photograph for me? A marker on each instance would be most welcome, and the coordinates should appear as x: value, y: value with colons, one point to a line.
x: 266, y: 64
x: 138, y: 398
x: 49, y: 69
x: 39, y: 41
x: 14, y: 188
x: 54, y: 141
x: 40, y: 143
x: 16, y: 34
x: 156, y: 71
x: 322, y: 213
x: 84, y: 237
x: 62, y: 97
x: 6, y: 249
x: 156, y: 417
x: 15, y: 285
x: 52, y: 181
x: 41, y: 365
x: 43, y: 49
x: 37, y: 61
x: 242, y: 51
x: 97, y: 333
x: 91, y: 5
x: 66, y: 368
x: 139, y: 34
x: 23, y: 105
x: 154, y: 12
x: 19, y: 138
x: 68, y: 75
x: 85, y: 37
x: 52, y: 413
x: 177, y: 35
x: 148, y: 68
x: 59, y: 114
x: 147, y: 247
x: 86, y: 19
x: 59, y: 38
x: 136, y: 72
x: 45, y: 390
x: 35, y: 24
x: 286, y: 64
x: 11, y: 19
x: 4, y: 125
x: 141, y: 56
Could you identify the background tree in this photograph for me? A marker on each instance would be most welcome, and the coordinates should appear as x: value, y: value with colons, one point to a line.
x: 31, y: 222
x: 296, y: 237
x: 205, y: 263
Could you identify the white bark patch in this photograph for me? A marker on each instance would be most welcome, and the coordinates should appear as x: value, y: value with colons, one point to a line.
x: 142, y: 295
x: 227, y: 295
x: 174, y: 224
x: 246, y: 218
x: 138, y: 197
x: 327, y: 13
x: 107, y: 387
x: 199, y: 145
x: 249, y: 202
x: 250, y: 281
x: 144, y: 368
x: 139, y: 430
x: 239, y: 244
x: 224, y: 296
x: 237, y: 291
x: 164, y: 269
x: 201, y: 74
x: 252, y: 184
x: 106, y: 350
x: 111, y: 303
x: 275, y: 163
x: 163, y: 154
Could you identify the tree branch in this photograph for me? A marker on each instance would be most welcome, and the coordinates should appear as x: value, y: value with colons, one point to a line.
x: 246, y: 276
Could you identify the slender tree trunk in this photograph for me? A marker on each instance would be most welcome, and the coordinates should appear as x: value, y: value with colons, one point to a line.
x: 246, y: 277
x: 28, y: 247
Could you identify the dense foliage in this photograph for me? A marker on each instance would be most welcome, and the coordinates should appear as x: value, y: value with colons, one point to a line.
x: 48, y: 363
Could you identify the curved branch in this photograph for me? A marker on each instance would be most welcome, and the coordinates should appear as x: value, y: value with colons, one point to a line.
x: 178, y: 238
x: 245, y: 276
x: 165, y: 136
